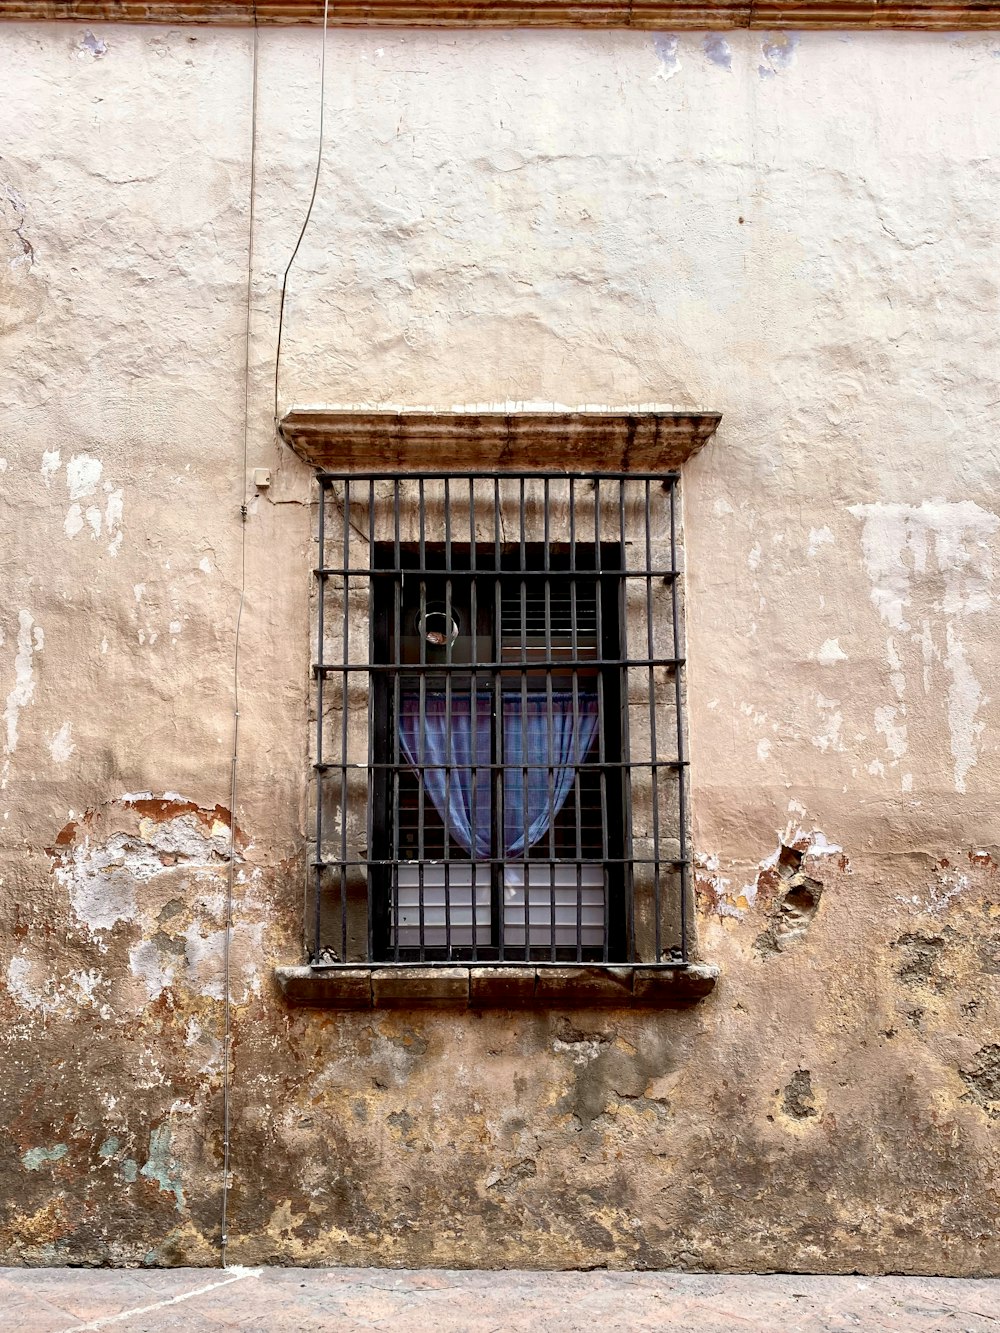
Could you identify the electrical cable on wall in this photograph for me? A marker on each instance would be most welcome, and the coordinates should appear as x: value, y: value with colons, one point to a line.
x: 227, y: 1039
x: 312, y: 200
x: 231, y: 884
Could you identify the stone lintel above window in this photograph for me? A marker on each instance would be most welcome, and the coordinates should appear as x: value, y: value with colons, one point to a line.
x: 342, y: 440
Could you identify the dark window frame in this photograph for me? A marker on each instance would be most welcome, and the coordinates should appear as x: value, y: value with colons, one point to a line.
x: 494, y: 582
x: 340, y: 878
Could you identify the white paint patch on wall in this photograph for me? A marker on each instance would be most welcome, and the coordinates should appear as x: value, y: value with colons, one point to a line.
x: 909, y: 552
x: 114, y: 510
x: 964, y: 699
x: 61, y: 745
x: 51, y: 463
x: 146, y: 964
x: 30, y: 640
x: 24, y: 988
x: 82, y: 475
x: 831, y: 653
x: 32, y: 987
x: 819, y: 537
x: 204, y: 956
x: 894, y: 733
x: 832, y: 737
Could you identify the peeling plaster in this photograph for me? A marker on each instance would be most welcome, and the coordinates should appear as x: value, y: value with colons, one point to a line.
x: 947, y: 884
x: 147, y: 965
x: 91, y: 47
x: 22, y: 987
x: 715, y: 892
x: 205, y: 958
x: 30, y: 640
x: 100, y: 876
x: 777, y: 53
x: 718, y: 51
x: 908, y: 549
x: 666, y: 45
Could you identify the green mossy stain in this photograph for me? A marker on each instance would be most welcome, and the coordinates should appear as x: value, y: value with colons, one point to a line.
x: 108, y: 1148
x: 35, y: 1158
x: 161, y: 1167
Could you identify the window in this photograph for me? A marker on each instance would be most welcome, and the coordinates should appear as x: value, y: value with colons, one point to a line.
x: 499, y: 741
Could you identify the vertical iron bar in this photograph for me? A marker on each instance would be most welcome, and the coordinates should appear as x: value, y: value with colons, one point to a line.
x: 550, y: 730
x: 653, y: 753
x: 678, y: 700
x: 447, y: 717
x: 320, y: 772
x: 577, y: 756
x: 524, y: 720
x: 397, y: 630
x: 498, y: 867
x: 421, y: 716
x: 601, y: 740
x: 474, y: 720
x: 344, y: 706
x: 626, y: 746
x: 371, y: 717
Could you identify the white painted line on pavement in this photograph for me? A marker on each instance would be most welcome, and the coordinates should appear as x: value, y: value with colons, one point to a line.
x: 237, y: 1275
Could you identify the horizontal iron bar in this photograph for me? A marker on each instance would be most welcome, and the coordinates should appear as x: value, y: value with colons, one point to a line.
x: 506, y: 861
x: 499, y: 668
x: 484, y: 572
x: 326, y: 479
x: 596, y: 767
x: 507, y: 961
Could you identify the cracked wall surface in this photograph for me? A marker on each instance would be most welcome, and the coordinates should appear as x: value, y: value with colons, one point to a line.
x: 797, y: 230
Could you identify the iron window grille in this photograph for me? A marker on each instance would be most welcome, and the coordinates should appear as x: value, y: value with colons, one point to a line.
x: 500, y: 764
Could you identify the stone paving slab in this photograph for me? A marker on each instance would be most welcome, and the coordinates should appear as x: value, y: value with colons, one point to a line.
x: 203, y: 1300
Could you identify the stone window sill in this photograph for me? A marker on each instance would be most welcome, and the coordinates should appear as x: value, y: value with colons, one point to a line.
x: 497, y: 987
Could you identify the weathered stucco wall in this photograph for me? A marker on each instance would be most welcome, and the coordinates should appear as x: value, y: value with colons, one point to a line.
x: 799, y: 232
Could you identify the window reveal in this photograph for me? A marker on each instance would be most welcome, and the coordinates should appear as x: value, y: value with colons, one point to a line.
x: 500, y: 762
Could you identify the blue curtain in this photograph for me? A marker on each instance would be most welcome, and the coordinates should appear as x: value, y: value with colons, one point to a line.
x: 451, y: 754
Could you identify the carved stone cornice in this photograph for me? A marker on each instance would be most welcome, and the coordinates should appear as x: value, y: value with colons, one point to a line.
x: 347, y: 441
x: 676, y: 15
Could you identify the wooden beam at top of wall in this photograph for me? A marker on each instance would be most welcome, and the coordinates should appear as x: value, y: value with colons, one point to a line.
x: 676, y: 15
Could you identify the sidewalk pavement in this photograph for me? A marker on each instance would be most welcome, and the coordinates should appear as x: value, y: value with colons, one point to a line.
x: 204, y: 1300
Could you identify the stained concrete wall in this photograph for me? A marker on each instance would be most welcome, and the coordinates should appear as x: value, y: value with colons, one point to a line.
x: 799, y: 232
